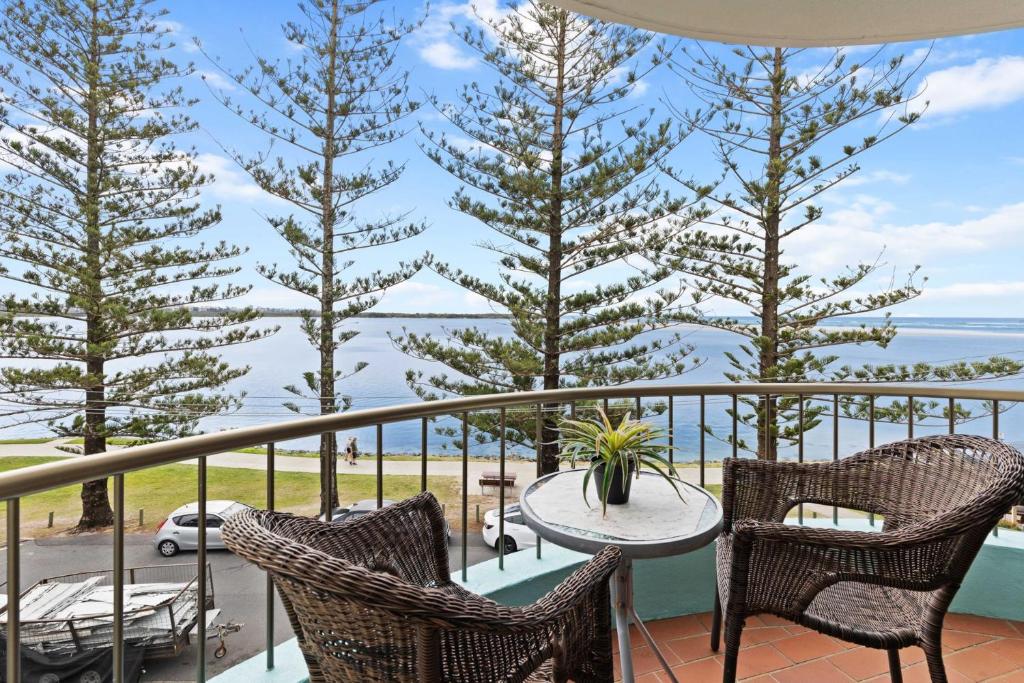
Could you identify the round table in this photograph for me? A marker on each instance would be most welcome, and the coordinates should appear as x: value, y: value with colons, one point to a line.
x: 654, y: 523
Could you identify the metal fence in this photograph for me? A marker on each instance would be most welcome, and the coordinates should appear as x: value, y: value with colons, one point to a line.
x: 16, y: 484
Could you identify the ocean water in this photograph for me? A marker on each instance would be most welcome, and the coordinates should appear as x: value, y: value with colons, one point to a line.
x: 281, y: 359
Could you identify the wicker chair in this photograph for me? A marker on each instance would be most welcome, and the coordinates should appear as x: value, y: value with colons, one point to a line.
x: 939, y: 496
x: 371, y: 600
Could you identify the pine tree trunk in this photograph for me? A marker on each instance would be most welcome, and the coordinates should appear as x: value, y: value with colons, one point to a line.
x: 548, y: 461
x: 96, y: 511
x: 328, y: 399
x: 769, y: 352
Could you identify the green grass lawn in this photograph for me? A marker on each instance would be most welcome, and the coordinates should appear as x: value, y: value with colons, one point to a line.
x: 37, y: 439
x: 160, y: 490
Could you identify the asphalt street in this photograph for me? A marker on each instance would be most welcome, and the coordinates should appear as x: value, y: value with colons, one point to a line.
x: 239, y: 590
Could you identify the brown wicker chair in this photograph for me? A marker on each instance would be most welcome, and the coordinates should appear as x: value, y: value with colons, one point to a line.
x: 371, y: 600
x: 939, y: 496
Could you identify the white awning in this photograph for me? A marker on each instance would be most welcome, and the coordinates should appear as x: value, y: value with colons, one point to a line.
x: 799, y: 23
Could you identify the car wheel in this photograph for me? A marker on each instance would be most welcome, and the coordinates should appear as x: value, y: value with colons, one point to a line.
x: 168, y: 548
x: 510, y: 545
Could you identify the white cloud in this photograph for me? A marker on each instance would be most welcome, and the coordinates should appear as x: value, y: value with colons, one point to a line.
x: 414, y: 296
x: 971, y: 290
x: 444, y: 55
x: 860, y: 232
x: 439, y: 47
x: 229, y: 182
x: 217, y: 80
x: 881, y: 176
x: 986, y: 84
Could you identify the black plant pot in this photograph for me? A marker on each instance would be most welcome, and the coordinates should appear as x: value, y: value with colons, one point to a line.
x: 618, y: 492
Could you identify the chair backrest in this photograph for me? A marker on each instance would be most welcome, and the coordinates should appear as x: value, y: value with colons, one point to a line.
x: 348, y: 588
x: 956, y: 481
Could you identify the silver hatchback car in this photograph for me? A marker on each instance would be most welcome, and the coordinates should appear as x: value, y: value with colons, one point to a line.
x: 180, y: 531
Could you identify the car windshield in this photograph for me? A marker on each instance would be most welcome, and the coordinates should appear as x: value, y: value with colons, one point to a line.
x: 232, y: 509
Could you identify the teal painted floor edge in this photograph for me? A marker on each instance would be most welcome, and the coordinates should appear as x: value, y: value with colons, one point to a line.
x: 289, y: 667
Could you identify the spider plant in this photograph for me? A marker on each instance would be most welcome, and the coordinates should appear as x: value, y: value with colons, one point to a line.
x: 626, y: 448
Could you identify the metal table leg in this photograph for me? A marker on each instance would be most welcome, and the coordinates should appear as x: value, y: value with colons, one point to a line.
x: 625, y: 611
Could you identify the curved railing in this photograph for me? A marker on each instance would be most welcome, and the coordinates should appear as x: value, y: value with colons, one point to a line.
x: 22, y: 482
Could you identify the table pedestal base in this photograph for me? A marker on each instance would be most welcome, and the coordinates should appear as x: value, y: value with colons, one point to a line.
x: 625, y: 613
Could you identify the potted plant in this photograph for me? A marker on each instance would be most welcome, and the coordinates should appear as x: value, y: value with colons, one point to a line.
x: 616, y: 455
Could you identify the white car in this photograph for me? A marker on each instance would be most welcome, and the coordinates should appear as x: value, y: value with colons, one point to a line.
x: 180, y: 531
x: 360, y: 508
x: 517, y: 534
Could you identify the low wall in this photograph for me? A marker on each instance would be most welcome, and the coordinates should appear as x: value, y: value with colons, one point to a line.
x: 685, y: 584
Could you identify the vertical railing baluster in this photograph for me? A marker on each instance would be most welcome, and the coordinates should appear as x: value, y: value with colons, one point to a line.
x: 800, y: 450
x: 995, y: 420
x: 380, y: 466
x: 14, y: 589
x: 702, y: 435
x: 639, y: 408
x: 423, y: 455
x: 835, y: 446
x: 117, y: 634
x: 871, y: 440
x: 735, y: 425
x: 269, y: 618
x: 501, y: 488
x: 671, y: 430
x: 952, y: 416
x: 605, y: 403
x: 572, y: 410
x: 465, y: 494
x: 201, y: 576
x: 910, y: 417
x: 995, y: 435
x: 539, y: 437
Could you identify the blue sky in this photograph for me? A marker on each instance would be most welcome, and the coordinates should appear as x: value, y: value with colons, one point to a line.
x: 945, y: 194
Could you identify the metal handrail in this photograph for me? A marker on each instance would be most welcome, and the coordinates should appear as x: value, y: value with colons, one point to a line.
x: 38, y: 478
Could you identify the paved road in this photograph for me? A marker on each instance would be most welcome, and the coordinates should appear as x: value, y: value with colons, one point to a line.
x: 239, y: 589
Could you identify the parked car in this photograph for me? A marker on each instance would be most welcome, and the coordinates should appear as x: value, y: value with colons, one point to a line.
x: 180, y: 531
x: 360, y: 508
x: 517, y: 534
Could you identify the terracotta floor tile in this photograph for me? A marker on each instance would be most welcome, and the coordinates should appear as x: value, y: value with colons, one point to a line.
x: 706, y: 670
x: 969, y: 622
x: 1010, y: 648
x: 958, y: 640
x: 1014, y: 677
x: 644, y: 660
x: 679, y: 627
x: 797, y: 629
x: 819, y: 671
x: 979, y: 663
x: 809, y: 645
x: 692, y: 648
x: 861, y: 663
x: 918, y: 673
x: 705, y: 620
x: 1019, y: 625
x: 979, y: 649
x: 759, y: 660
x: 765, y: 634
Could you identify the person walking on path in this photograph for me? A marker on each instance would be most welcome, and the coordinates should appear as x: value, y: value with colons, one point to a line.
x: 351, y: 451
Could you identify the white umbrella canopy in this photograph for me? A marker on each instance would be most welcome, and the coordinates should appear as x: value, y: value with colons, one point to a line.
x: 808, y: 23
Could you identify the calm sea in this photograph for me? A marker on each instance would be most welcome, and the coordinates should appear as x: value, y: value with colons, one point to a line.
x: 280, y: 360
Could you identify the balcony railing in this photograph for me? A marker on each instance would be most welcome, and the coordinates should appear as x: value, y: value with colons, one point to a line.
x: 16, y: 484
